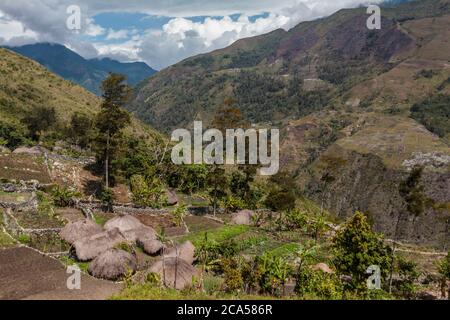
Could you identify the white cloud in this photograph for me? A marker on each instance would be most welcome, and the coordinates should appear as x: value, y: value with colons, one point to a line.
x: 12, y: 30
x: 117, y: 35
x: 92, y: 29
x: 45, y: 20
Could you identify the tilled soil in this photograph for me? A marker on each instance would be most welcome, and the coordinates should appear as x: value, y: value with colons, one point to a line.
x: 26, y: 274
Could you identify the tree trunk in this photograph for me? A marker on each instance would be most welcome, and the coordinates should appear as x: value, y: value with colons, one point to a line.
x: 215, y: 200
x: 394, y: 246
x: 164, y: 265
x: 107, y: 162
x: 176, y: 267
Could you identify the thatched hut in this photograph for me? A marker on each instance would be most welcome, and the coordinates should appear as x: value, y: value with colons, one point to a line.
x: 113, y: 264
x: 169, y: 267
x: 186, y: 251
x: 131, y: 228
x: 323, y: 267
x: 172, y: 198
x: 88, y: 248
x: 243, y: 217
x: 74, y: 231
x: 151, y: 247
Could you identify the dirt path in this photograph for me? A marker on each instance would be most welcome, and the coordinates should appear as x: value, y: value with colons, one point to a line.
x: 26, y: 274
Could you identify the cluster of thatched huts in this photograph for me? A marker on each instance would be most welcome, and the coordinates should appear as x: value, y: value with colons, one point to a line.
x: 106, y: 250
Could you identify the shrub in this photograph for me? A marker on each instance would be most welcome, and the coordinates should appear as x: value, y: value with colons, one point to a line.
x: 64, y: 197
x: 296, y: 219
x: 356, y: 248
x: 178, y: 215
x: 233, y: 204
x: 318, y: 284
x: 148, y: 193
x: 232, y: 272
x: 408, y: 274
x: 12, y: 135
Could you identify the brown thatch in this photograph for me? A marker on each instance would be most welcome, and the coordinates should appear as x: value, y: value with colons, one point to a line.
x: 144, y: 233
x: 123, y: 223
x: 243, y: 217
x: 151, y: 247
x: 172, y: 198
x: 131, y: 228
x: 113, y: 264
x: 166, y: 270
x: 88, y: 248
x: 34, y: 150
x: 186, y: 251
x: 323, y: 267
x: 74, y: 231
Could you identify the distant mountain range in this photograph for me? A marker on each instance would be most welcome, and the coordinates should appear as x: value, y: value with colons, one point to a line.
x: 87, y: 73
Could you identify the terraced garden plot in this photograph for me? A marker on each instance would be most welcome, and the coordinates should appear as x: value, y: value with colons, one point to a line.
x: 23, y: 167
x: 37, y: 220
x: 198, y: 224
x: 15, y: 197
x: 5, y: 241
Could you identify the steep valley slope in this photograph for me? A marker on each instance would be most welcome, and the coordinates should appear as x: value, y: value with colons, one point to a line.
x: 358, y: 109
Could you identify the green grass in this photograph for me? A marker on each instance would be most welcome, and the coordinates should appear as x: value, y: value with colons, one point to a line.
x: 285, y: 250
x: 149, y: 291
x: 5, y: 240
x: 67, y: 261
x: 218, y: 235
x: 100, y: 220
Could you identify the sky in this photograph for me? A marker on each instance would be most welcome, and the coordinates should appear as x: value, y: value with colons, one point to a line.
x: 158, y: 32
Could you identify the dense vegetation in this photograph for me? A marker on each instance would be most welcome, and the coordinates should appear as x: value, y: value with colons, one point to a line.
x: 434, y: 114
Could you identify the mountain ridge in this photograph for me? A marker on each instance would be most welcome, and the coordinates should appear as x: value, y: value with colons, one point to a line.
x: 88, y: 73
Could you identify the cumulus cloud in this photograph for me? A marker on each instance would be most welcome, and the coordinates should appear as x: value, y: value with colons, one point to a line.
x: 45, y: 20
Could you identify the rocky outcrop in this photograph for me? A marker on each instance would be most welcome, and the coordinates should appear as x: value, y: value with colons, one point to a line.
x: 349, y: 181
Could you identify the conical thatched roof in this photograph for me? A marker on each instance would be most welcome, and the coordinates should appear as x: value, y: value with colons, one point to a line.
x: 144, y: 233
x: 243, y: 217
x: 74, y: 231
x: 113, y: 264
x: 323, y: 267
x: 131, y: 228
x: 172, y: 198
x: 184, y: 270
x: 90, y: 247
x: 150, y: 247
x: 186, y: 251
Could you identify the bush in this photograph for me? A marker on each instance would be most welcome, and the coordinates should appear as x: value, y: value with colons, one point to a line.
x: 409, y: 275
x: 178, y: 215
x: 318, y: 284
x: 233, y: 204
x: 13, y: 135
x: 148, y: 193
x: 296, y: 219
x: 280, y: 200
x: 39, y: 120
x: 356, y: 248
x: 64, y: 197
x: 233, y: 278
